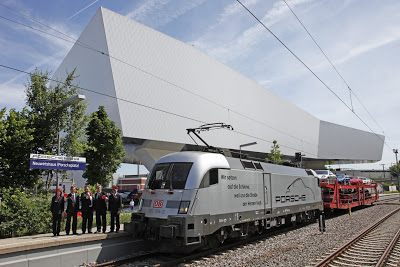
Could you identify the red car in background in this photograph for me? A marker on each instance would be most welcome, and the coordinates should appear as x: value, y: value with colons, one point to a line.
x: 355, y: 180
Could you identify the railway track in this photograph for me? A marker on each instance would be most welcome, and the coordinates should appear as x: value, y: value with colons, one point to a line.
x: 157, y: 259
x: 153, y: 258
x: 394, y: 198
x: 376, y: 246
x: 393, y: 259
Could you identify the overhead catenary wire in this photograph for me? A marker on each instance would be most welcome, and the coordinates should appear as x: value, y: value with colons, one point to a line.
x: 83, y: 44
x: 77, y: 42
x: 316, y: 76
x: 153, y: 108
x: 106, y: 54
x: 333, y: 66
x: 41, y: 23
x: 162, y: 79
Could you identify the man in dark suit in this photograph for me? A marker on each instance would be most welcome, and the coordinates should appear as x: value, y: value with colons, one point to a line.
x: 57, y: 210
x: 114, y: 206
x: 87, y: 210
x: 72, y: 211
x: 100, y: 208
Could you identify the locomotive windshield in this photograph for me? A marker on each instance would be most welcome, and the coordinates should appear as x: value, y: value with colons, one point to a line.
x: 170, y: 175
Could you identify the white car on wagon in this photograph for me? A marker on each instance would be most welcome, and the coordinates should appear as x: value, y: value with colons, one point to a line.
x: 365, y: 180
x: 325, y: 174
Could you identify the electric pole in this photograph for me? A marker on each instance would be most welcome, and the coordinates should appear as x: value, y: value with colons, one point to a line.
x: 395, y: 151
x: 383, y: 166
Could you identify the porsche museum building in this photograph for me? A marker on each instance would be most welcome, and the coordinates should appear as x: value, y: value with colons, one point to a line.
x: 155, y: 87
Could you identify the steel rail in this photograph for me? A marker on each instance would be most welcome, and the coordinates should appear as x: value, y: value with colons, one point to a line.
x: 340, y: 250
x: 388, y: 249
x: 225, y: 247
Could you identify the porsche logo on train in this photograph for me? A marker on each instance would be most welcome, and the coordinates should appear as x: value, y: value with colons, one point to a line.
x: 158, y: 203
x: 296, y: 186
x: 291, y: 198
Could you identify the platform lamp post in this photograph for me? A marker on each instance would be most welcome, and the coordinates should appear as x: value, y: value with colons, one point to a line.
x: 244, y: 145
x: 383, y: 167
x: 70, y: 101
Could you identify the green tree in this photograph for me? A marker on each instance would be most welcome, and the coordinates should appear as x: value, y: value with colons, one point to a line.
x: 3, y: 133
x: 275, y: 156
x: 394, y: 170
x: 49, y: 116
x: 16, y: 143
x: 104, y: 150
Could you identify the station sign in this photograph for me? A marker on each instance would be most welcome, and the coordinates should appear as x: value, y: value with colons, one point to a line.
x: 40, y: 161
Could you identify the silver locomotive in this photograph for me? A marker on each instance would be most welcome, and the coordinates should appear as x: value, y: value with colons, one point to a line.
x: 194, y: 199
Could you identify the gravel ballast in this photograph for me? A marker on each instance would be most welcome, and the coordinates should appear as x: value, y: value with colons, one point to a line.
x: 300, y: 247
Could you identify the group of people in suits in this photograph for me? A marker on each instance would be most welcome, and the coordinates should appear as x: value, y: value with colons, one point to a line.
x: 87, y: 204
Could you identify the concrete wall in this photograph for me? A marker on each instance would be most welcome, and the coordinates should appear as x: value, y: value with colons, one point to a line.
x: 337, y: 141
x: 72, y: 254
x: 367, y: 173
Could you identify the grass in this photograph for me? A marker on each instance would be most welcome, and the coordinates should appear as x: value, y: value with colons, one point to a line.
x: 124, y: 217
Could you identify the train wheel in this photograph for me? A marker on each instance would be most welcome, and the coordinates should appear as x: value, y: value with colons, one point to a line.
x: 260, y: 229
x: 213, y: 241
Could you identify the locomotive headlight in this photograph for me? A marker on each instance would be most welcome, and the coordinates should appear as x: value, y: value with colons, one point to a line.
x: 184, y: 207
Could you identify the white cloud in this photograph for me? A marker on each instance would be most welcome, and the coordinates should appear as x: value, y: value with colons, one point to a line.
x: 76, y: 13
x: 160, y: 12
x: 232, y: 10
x: 385, y: 39
x: 12, y: 96
x: 146, y: 8
x: 245, y: 41
x: 35, y: 49
x: 189, y: 5
x: 48, y: 60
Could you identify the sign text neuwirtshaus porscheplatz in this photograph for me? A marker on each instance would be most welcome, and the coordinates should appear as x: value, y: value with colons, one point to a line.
x: 38, y: 161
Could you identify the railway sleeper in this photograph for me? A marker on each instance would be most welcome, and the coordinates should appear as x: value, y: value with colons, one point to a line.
x: 364, y: 247
x: 351, y: 259
x: 347, y: 264
x: 358, y: 254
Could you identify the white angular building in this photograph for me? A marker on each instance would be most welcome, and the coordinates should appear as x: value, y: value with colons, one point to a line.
x: 155, y: 87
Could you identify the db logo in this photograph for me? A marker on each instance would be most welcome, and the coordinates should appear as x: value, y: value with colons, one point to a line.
x: 158, y: 203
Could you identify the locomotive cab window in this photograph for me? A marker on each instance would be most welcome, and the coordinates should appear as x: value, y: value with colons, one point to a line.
x: 210, y: 178
x: 169, y: 175
x: 248, y: 164
x: 258, y: 166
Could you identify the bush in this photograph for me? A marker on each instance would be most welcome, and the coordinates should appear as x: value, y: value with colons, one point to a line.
x: 21, y: 214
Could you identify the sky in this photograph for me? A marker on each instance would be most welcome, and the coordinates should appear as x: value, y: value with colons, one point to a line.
x: 360, y: 37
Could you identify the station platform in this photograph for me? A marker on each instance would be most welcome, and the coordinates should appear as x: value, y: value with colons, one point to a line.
x: 18, y: 244
x: 66, y: 250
